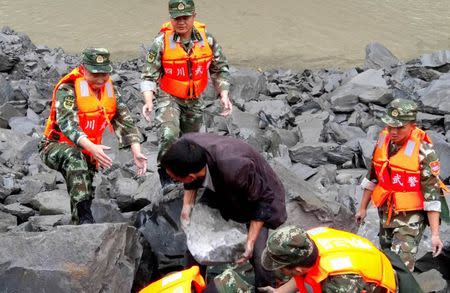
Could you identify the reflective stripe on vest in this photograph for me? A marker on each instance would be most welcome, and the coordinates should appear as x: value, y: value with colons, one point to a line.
x: 185, y: 74
x: 342, y: 253
x: 398, y: 175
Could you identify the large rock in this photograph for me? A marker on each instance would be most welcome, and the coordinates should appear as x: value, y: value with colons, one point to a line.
x: 379, y: 57
x: 224, y: 242
x: 52, y: 202
x: 86, y: 258
x: 435, y: 97
x: 316, y: 154
x: 277, y: 111
x: 435, y: 59
x: 246, y: 84
x: 343, y: 133
x: 308, y: 206
x: 160, y: 226
x: 6, y: 220
x: 311, y: 125
x: 368, y: 86
x: 6, y: 91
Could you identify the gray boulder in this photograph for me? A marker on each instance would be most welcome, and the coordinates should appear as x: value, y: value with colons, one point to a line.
x: 224, y: 242
x: 343, y: 133
x: 46, y: 223
x: 53, y: 202
x: 6, y: 220
x: 86, y: 258
x: 316, y: 154
x: 435, y: 59
x: 311, y: 125
x: 308, y: 206
x: 435, y: 97
x: 246, y: 84
x: 379, y: 57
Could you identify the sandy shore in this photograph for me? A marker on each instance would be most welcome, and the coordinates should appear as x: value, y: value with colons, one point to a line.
x: 254, y: 33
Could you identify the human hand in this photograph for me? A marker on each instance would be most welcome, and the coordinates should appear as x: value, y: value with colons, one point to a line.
x: 227, y: 107
x: 98, y: 152
x: 436, y: 245
x: 267, y: 289
x: 248, y: 253
x: 360, y: 216
x: 139, y: 159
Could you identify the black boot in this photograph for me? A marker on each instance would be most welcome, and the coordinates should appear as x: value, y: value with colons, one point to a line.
x: 84, y: 212
x: 167, y: 185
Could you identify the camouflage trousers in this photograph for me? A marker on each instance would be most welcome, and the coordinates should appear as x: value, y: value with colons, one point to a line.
x: 174, y: 117
x: 402, y: 235
x: 77, y: 169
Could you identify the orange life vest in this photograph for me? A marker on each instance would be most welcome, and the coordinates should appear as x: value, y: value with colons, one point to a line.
x: 180, y: 282
x: 342, y: 253
x: 185, y: 74
x: 399, y: 175
x: 94, y: 113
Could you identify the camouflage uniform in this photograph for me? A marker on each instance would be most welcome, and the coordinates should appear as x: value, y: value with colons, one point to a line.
x: 77, y: 168
x: 231, y: 282
x: 290, y: 245
x: 404, y: 232
x: 176, y: 116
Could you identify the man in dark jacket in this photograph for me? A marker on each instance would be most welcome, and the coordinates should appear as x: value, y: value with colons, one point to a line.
x: 237, y: 181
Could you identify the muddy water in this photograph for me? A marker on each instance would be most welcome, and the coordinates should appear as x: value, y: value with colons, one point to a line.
x: 257, y: 33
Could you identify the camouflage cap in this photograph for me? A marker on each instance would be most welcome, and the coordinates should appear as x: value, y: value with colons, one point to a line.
x: 400, y: 112
x: 96, y: 60
x: 179, y: 8
x: 288, y: 245
x: 230, y: 282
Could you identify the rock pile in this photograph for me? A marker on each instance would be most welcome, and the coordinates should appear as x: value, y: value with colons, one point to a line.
x: 316, y: 127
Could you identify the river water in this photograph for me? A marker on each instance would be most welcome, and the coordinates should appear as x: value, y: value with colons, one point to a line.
x: 256, y: 33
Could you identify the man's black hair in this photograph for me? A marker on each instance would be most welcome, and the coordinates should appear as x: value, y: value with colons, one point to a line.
x: 184, y: 157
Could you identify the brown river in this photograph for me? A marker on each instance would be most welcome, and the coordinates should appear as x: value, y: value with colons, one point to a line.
x: 263, y: 34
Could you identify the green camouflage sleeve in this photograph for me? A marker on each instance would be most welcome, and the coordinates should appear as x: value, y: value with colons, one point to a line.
x: 67, y: 113
x: 219, y: 69
x: 429, y: 166
x: 126, y: 131
x: 347, y: 284
x: 153, y: 71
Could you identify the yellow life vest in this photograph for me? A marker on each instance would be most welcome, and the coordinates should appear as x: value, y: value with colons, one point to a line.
x: 179, y: 282
x: 342, y: 253
x: 185, y: 74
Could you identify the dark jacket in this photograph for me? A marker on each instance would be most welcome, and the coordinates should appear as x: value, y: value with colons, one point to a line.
x: 246, y: 187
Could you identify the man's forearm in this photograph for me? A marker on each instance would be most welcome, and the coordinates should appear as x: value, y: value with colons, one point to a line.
x: 433, y: 219
x: 254, y: 230
x: 367, y: 194
x: 189, y: 197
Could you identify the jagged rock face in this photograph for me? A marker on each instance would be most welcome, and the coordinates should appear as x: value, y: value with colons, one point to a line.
x: 87, y: 258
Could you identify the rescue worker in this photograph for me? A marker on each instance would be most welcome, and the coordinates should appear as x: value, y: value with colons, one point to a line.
x: 327, y: 260
x: 403, y: 183
x: 178, y: 63
x: 84, y: 104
